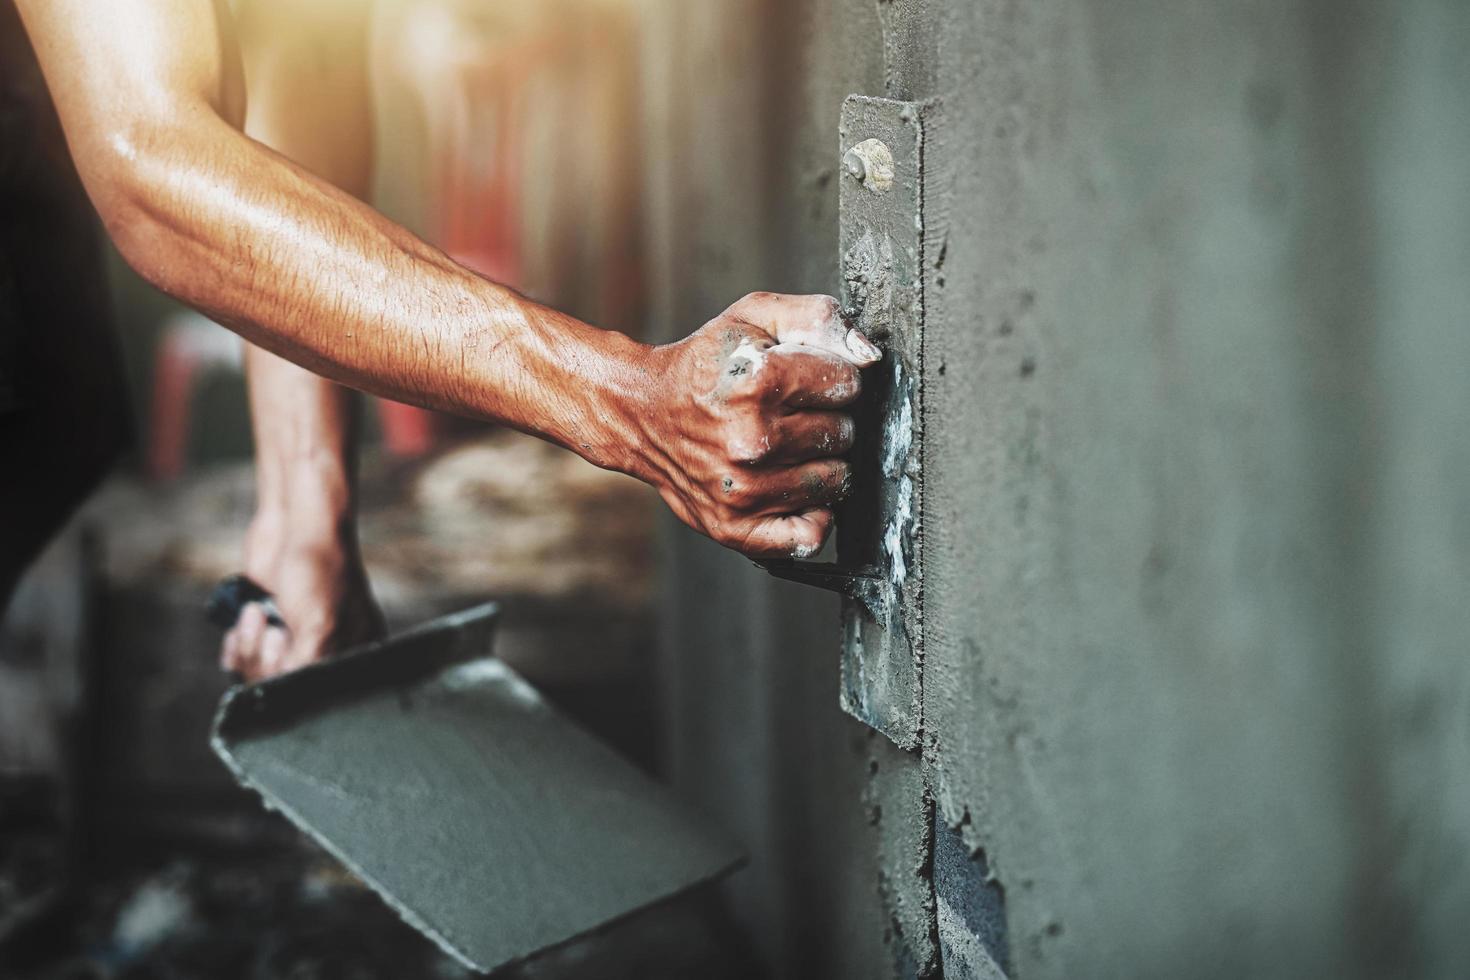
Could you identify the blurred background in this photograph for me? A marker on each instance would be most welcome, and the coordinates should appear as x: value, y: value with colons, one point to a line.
x: 1196, y: 693
x: 506, y: 134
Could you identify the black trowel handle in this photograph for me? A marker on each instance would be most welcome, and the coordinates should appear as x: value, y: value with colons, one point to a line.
x: 864, y: 585
x: 230, y: 598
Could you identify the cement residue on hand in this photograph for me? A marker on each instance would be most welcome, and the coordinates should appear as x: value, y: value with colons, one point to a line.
x: 747, y: 359
x: 806, y: 550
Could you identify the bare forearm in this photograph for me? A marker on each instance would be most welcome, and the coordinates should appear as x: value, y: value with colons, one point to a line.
x: 739, y: 426
x: 302, y: 543
x: 151, y: 95
x: 305, y: 442
x: 308, y: 99
x: 306, y: 271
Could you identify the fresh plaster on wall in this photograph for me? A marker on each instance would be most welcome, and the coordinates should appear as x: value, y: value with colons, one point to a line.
x: 1198, y: 284
x: 1194, y: 482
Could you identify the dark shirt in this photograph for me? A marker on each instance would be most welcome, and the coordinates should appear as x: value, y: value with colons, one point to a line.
x: 63, y: 415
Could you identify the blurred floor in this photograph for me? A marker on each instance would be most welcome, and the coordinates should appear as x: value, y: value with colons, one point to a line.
x: 286, y: 911
x: 109, y: 786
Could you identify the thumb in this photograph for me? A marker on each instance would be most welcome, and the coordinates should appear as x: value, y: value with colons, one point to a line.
x: 811, y: 321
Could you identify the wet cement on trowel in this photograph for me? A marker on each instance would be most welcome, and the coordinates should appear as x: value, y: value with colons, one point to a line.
x: 489, y: 821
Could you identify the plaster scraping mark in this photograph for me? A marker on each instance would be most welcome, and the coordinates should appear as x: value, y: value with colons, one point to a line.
x: 963, y: 954
x: 970, y: 909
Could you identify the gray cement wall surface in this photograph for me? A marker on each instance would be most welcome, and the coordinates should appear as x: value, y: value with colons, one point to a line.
x: 1198, y: 552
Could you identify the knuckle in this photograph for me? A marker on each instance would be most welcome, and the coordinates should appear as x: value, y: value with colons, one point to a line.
x: 740, y: 389
x: 825, y: 307
x: 745, y: 453
x: 753, y: 299
x: 748, y: 444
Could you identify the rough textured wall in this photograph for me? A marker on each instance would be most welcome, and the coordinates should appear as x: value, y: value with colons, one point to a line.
x: 1198, y: 549
x: 1198, y: 556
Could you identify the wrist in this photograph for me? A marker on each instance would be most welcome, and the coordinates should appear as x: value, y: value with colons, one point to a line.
x: 275, y: 542
x: 581, y: 387
x: 306, y: 503
x: 619, y: 404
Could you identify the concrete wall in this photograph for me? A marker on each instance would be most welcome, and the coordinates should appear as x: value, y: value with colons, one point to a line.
x: 1198, y: 527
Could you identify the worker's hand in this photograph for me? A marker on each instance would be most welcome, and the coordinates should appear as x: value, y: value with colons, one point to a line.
x: 321, y: 591
x: 745, y: 439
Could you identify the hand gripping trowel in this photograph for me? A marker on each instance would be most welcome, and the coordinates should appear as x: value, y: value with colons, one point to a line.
x: 489, y: 821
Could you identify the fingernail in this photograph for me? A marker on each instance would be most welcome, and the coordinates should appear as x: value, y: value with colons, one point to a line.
x: 862, y: 347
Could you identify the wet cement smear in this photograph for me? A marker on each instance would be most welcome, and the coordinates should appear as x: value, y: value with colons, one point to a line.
x: 898, y: 433
x: 896, y: 534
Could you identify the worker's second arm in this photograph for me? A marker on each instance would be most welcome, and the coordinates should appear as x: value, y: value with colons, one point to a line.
x: 306, y: 72
x: 735, y: 426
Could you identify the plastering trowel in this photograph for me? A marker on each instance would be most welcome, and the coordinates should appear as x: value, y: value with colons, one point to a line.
x: 489, y: 821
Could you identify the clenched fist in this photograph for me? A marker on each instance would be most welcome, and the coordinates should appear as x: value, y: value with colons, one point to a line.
x: 321, y: 592
x: 747, y: 435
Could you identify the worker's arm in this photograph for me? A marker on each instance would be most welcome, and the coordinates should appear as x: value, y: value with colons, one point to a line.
x: 739, y: 439
x: 301, y: 545
x: 308, y: 98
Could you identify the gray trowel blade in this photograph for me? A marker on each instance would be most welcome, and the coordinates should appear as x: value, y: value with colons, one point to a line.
x: 488, y: 820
